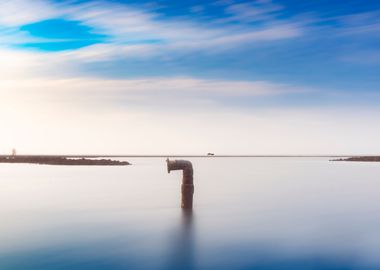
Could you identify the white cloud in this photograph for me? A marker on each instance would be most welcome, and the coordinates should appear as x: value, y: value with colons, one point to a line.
x: 106, y: 94
x: 20, y: 12
x: 27, y: 80
x: 212, y: 45
x: 126, y: 24
x: 136, y: 31
x: 275, y: 32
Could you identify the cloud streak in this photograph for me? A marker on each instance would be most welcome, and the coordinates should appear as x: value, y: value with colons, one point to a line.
x: 128, y: 26
x: 254, y: 11
x: 158, y: 93
x: 15, y: 13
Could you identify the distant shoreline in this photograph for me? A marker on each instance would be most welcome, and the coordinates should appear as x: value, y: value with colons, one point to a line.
x: 106, y: 159
x: 362, y: 159
x: 99, y: 160
x: 61, y: 160
x: 190, y: 156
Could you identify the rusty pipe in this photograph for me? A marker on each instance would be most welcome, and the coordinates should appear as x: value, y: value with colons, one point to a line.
x: 187, y: 188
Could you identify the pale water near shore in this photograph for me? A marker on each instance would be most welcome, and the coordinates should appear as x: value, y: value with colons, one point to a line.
x: 249, y: 213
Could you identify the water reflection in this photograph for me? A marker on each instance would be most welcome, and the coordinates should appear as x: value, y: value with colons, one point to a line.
x: 182, y: 253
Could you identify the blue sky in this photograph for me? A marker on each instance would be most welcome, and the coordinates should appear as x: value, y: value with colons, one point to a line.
x: 247, y: 57
x: 334, y: 44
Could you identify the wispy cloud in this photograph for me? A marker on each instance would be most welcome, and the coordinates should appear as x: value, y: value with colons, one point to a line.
x: 360, y: 23
x: 128, y: 26
x: 156, y: 93
x: 254, y: 11
x: 19, y: 12
x: 26, y: 75
x: 48, y: 77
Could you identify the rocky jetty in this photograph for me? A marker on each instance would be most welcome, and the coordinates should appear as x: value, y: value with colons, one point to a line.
x: 57, y: 160
x: 363, y: 158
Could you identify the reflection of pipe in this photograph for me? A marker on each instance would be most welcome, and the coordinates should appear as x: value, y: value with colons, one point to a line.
x: 187, y: 180
x: 182, y: 244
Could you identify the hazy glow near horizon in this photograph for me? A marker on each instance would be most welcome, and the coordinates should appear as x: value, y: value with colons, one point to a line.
x: 230, y: 77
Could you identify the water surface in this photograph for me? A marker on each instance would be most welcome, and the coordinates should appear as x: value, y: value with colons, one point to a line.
x: 249, y: 213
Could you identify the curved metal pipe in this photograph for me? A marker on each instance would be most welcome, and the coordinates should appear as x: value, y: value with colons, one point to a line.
x: 187, y: 188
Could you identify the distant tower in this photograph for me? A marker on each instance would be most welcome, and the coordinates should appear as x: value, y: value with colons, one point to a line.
x: 14, y: 152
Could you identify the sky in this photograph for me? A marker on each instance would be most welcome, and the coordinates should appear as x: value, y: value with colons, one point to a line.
x: 190, y: 77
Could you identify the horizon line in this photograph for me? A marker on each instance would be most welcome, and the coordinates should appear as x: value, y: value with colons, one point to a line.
x: 178, y: 155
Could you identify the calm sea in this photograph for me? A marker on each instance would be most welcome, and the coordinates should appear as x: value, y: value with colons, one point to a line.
x: 249, y: 213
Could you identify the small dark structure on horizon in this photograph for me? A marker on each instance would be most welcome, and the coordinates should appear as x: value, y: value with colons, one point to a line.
x: 187, y: 188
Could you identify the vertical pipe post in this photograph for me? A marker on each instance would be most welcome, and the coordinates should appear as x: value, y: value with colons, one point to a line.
x: 187, y: 188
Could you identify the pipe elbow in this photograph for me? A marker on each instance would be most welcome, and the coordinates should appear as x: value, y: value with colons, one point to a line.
x: 183, y: 165
x: 187, y: 188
